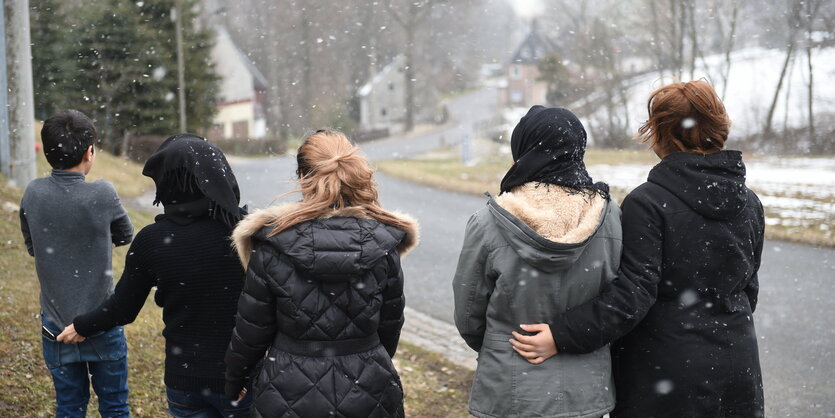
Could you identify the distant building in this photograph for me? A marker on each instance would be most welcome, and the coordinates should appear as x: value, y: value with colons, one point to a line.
x: 523, y: 88
x: 240, y: 112
x: 383, y: 98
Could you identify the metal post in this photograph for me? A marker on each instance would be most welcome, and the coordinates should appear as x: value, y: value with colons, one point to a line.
x: 466, y: 156
x: 21, y: 97
x: 5, y: 153
x: 181, y: 66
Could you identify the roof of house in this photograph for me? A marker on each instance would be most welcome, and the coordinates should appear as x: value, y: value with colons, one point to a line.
x: 258, y: 79
x: 366, y: 88
x: 533, y: 48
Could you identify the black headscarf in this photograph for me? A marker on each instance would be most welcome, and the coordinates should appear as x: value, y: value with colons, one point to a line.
x: 184, y: 162
x: 548, y: 146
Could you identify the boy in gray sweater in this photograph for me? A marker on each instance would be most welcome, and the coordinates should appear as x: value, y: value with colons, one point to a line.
x: 70, y: 226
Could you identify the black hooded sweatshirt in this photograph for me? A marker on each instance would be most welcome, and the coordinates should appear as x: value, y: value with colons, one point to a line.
x: 186, y: 254
x: 686, y: 290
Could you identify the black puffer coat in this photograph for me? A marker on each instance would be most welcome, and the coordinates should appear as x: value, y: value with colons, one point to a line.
x: 692, y: 240
x: 324, y: 300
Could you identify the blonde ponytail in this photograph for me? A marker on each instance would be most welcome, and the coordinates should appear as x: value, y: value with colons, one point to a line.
x: 333, y: 175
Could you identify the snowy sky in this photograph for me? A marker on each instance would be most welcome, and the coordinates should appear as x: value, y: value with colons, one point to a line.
x: 527, y: 8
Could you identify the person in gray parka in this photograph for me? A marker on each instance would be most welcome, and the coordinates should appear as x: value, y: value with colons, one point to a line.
x: 547, y: 243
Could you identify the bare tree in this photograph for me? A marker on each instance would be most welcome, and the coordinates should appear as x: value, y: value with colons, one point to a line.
x: 656, y: 39
x: 679, y: 18
x: 791, y: 42
x: 694, y: 36
x: 728, y: 44
x: 812, y: 7
x: 669, y: 32
x: 409, y: 17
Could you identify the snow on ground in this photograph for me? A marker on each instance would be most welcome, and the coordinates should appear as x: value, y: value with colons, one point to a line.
x: 795, y: 192
x: 751, y: 85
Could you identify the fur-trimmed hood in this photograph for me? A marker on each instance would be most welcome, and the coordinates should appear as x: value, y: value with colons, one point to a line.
x: 549, y: 227
x: 255, y: 227
x: 553, y: 212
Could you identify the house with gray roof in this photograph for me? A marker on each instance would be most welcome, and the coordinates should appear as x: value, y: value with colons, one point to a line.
x: 242, y: 93
x: 523, y: 85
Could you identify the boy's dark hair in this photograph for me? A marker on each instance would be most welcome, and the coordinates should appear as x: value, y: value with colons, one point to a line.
x: 66, y: 135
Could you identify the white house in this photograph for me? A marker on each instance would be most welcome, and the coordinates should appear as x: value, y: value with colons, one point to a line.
x: 240, y: 112
x: 383, y: 98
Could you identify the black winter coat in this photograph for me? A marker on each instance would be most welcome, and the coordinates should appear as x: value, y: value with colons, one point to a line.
x: 692, y: 240
x: 324, y: 300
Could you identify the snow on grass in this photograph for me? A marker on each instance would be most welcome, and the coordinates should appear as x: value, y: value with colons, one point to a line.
x: 795, y: 192
x: 751, y: 85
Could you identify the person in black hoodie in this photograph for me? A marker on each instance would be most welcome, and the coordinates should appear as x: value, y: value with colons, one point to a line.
x: 681, y: 306
x: 323, y: 295
x: 186, y: 254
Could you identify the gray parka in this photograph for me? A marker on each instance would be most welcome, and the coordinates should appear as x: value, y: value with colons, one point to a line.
x: 507, y: 275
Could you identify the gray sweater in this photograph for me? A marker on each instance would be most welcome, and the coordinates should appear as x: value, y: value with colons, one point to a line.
x: 68, y: 225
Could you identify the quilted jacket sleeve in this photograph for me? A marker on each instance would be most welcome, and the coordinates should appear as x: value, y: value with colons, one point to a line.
x: 255, y: 326
x: 391, y: 313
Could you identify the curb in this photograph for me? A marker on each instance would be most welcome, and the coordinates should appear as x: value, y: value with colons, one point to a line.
x: 437, y: 336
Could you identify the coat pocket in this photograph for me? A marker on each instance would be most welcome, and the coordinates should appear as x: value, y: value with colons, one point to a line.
x: 493, y: 380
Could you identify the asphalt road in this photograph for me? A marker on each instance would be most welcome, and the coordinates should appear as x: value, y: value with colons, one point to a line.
x: 797, y: 296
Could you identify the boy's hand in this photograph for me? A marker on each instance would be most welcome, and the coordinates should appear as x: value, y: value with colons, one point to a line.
x: 69, y: 336
x: 535, y: 348
x: 241, y: 395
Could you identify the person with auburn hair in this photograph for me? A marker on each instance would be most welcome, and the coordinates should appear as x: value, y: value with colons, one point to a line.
x: 323, y: 296
x: 680, y: 310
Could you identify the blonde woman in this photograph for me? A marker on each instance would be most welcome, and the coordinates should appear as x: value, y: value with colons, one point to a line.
x: 323, y: 294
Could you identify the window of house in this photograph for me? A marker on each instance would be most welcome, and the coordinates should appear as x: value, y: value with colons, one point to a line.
x: 515, y: 72
x: 383, y: 112
x: 516, y: 96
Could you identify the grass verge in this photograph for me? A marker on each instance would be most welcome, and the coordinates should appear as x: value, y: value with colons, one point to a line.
x: 445, y: 171
x: 434, y: 387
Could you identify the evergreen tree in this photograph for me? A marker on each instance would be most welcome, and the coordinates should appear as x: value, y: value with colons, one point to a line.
x: 117, y: 62
x: 116, y: 59
x: 202, y: 84
x: 53, y: 64
x: 553, y: 72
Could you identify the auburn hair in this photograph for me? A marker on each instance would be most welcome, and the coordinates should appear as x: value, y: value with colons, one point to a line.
x: 333, y: 175
x: 686, y: 117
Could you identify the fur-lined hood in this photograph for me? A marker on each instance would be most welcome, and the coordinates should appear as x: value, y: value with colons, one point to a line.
x: 553, y: 212
x: 255, y: 225
x: 549, y: 227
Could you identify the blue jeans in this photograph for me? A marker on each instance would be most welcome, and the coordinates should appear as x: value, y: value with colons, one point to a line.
x: 103, y: 358
x: 183, y: 404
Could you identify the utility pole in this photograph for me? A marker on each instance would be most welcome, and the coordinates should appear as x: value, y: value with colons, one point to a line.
x: 176, y: 14
x: 5, y: 153
x: 21, y: 97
